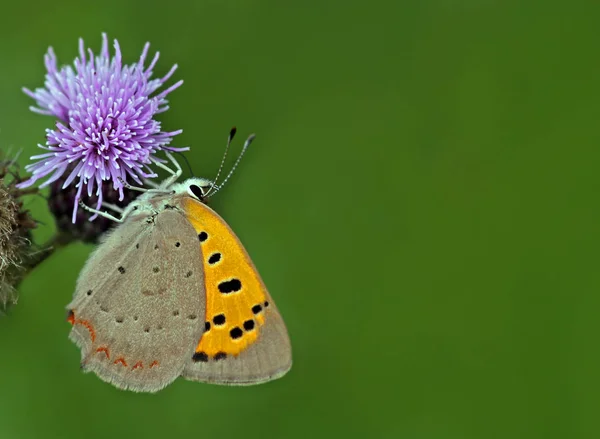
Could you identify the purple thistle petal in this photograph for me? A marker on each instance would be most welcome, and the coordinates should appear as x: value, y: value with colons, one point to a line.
x: 105, y: 124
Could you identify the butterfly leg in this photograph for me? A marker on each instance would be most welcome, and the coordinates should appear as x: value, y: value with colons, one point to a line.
x: 142, y: 189
x: 151, y: 184
x: 113, y: 207
x: 99, y: 212
x: 174, y: 174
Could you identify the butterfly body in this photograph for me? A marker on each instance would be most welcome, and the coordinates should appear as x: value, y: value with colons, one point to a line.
x: 172, y: 292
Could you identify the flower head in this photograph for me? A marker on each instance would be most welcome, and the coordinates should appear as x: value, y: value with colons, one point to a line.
x: 106, y: 130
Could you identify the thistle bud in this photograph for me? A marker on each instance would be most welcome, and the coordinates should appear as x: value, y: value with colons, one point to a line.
x: 16, y: 252
x: 60, y: 202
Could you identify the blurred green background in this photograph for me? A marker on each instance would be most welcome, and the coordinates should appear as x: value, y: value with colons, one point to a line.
x: 421, y: 200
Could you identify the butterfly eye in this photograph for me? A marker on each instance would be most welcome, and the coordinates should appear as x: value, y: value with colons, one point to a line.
x: 196, y: 191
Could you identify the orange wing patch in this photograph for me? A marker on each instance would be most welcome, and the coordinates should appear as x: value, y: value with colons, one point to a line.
x: 102, y: 349
x: 235, y: 295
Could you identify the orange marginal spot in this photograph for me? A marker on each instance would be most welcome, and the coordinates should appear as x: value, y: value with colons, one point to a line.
x: 88, y: 326
x: 241, y: 324
x: 103, y: 349
x: 154, y: 363
x: 121, y: 360
x: 137, y: 365
x: 73, y: 321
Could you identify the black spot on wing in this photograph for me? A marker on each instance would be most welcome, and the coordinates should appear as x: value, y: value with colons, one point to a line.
x: 214, y: 258
x: 200, y: 357
x: 230, y: 286
x: 236, y: 333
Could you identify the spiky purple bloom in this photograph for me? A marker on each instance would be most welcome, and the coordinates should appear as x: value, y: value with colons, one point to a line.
x: 106, y: 129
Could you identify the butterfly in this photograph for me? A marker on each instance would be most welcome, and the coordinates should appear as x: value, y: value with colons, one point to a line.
x: 172, y: 292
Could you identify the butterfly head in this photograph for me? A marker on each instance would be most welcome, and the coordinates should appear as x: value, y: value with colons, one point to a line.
x: 197, y: 188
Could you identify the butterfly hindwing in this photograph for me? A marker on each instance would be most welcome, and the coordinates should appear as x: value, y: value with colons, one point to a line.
x: 245, y: 340
x: 133, y: 316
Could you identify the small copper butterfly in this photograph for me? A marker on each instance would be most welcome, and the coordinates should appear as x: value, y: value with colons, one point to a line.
x: 172, y: 292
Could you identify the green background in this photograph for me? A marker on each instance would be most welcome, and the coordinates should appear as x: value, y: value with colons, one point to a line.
x: 421, y: 200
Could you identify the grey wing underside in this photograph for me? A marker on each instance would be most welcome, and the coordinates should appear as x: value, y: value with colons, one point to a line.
x: 268, y: 358
x: 139, y: 307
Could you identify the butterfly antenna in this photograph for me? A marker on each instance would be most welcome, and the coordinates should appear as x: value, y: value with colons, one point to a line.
x: 214, y: 182
x: 246, y: 145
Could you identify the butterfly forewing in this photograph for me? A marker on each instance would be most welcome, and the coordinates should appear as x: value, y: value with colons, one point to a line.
x: 139, y: 307
x: 245, y: 340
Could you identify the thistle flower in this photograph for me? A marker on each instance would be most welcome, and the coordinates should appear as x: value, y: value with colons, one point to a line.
x: 15, y: 232
x: 106, y: 130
